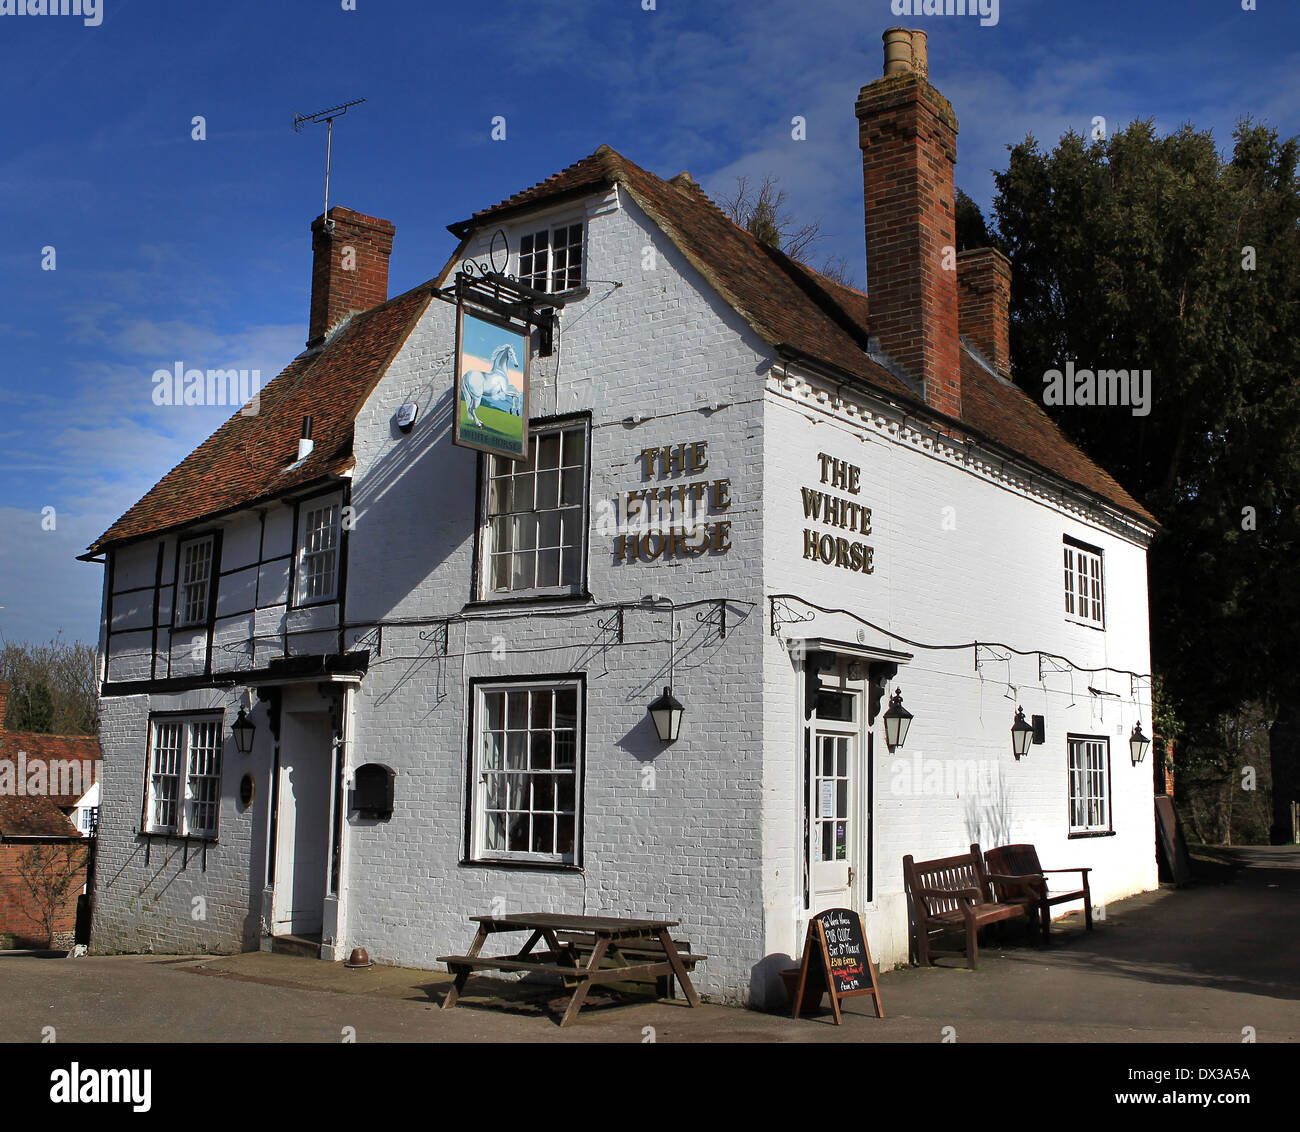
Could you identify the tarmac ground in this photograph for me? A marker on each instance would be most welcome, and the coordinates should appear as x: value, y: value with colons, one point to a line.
x: 1214, y: 962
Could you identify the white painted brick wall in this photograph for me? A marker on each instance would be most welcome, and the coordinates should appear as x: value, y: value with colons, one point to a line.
x: 996, y: 577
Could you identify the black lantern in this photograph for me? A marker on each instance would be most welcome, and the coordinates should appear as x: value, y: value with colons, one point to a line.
x: 243, y: 730
x: 666, y: 711
x: 1022, y: 734
x: 1138, y: 743
x: 897, y: 720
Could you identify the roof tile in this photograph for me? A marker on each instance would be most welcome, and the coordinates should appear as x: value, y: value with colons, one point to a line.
x: 786, y: 304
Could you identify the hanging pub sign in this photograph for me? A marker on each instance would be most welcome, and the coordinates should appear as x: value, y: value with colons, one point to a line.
x: 836, y: 959
x: 492, y: 357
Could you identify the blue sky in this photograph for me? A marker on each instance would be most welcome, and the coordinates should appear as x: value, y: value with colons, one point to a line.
x: 170, y: 249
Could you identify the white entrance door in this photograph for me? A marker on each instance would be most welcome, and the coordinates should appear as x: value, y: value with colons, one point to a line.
x: 836, y: 829
x: 302, y: 823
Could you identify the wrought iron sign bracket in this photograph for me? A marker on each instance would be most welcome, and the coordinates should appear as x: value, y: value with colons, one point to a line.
x: 507, y: 298
x: 613, y: 624
x: 784, y: 614
x: 1048, y: 663
x: 715, y: 616
x: 438, y: 635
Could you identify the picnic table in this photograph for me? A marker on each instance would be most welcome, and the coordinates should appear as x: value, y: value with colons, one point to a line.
x: 634, y: 949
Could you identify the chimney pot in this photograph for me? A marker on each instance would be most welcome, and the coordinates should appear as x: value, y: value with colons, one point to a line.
x: 905, y: 50
x: 305, y: 442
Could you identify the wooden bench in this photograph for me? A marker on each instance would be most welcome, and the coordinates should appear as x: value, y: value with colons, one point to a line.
x: 1018, y: 878
x: 951, y: 894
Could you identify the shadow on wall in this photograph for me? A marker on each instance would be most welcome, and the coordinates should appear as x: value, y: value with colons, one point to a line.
x: 397, y: 488
x: 766, y: 991
x: 989, y: 814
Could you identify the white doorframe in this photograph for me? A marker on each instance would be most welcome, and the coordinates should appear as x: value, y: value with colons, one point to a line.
x: 828, y: 805
x: 305, y: 789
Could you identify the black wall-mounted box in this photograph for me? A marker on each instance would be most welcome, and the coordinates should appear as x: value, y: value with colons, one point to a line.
x: 372, y: 793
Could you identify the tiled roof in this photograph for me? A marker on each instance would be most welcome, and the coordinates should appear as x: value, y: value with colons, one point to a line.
x: 81, y: 749
x: 759, y: 282
x: 1006, y: 414
x: 33, y: 817
x: 789, y: 304
x: 785, y: 303
x: 245, y: 459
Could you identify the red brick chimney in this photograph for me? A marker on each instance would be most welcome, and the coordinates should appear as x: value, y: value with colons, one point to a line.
x: 908, y: 135
x: 349, y: 270
x: 984, y: 304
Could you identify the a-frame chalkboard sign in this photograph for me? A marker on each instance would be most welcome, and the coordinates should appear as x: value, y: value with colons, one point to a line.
x: 836, y: 959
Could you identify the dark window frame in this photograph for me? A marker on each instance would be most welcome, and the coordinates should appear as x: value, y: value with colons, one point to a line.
x: 1100, y: 554
x: 1071, y: 830
x: 296, y: 600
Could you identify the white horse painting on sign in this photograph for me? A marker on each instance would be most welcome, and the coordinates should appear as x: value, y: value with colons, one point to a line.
x: 476, y: 386
x: 492, y: 369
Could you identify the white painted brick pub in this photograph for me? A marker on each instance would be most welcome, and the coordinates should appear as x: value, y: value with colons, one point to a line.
x: 829, y: 496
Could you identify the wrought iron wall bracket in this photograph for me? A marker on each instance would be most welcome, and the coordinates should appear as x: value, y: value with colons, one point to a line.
x: 783, y: 613
x: 438, y: 636
x: 506, y: 297
x: 613, y: 624
x: 715, y: 616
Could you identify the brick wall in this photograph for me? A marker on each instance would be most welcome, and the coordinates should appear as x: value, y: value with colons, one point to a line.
x: 155, y: 894
x: 681, y: 841
x: 18, y: 906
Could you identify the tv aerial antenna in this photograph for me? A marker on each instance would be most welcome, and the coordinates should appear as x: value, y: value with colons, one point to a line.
x: 326, y: 116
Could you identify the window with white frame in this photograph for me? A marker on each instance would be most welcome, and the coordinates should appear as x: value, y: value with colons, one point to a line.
x: 1089, y: 785
x: 184, y: 776
x: 527, y: 770
x: 551, y: 260
x: 1085, y: 595
x: 318, y: 549
x: 195, y: 580
x: 536, y: 516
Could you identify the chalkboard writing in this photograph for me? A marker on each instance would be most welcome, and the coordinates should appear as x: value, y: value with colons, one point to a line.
x: 836, y: 959
x: 845, y: 949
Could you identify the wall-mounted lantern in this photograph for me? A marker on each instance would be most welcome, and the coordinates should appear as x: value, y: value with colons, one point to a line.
x: 1138, y: 743
x: 666, y: 711
x: 242, y: 730
x: 897, y: 720
x: 1022, y: 734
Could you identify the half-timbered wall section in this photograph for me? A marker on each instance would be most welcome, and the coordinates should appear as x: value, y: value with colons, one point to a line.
x: 232, y: 595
